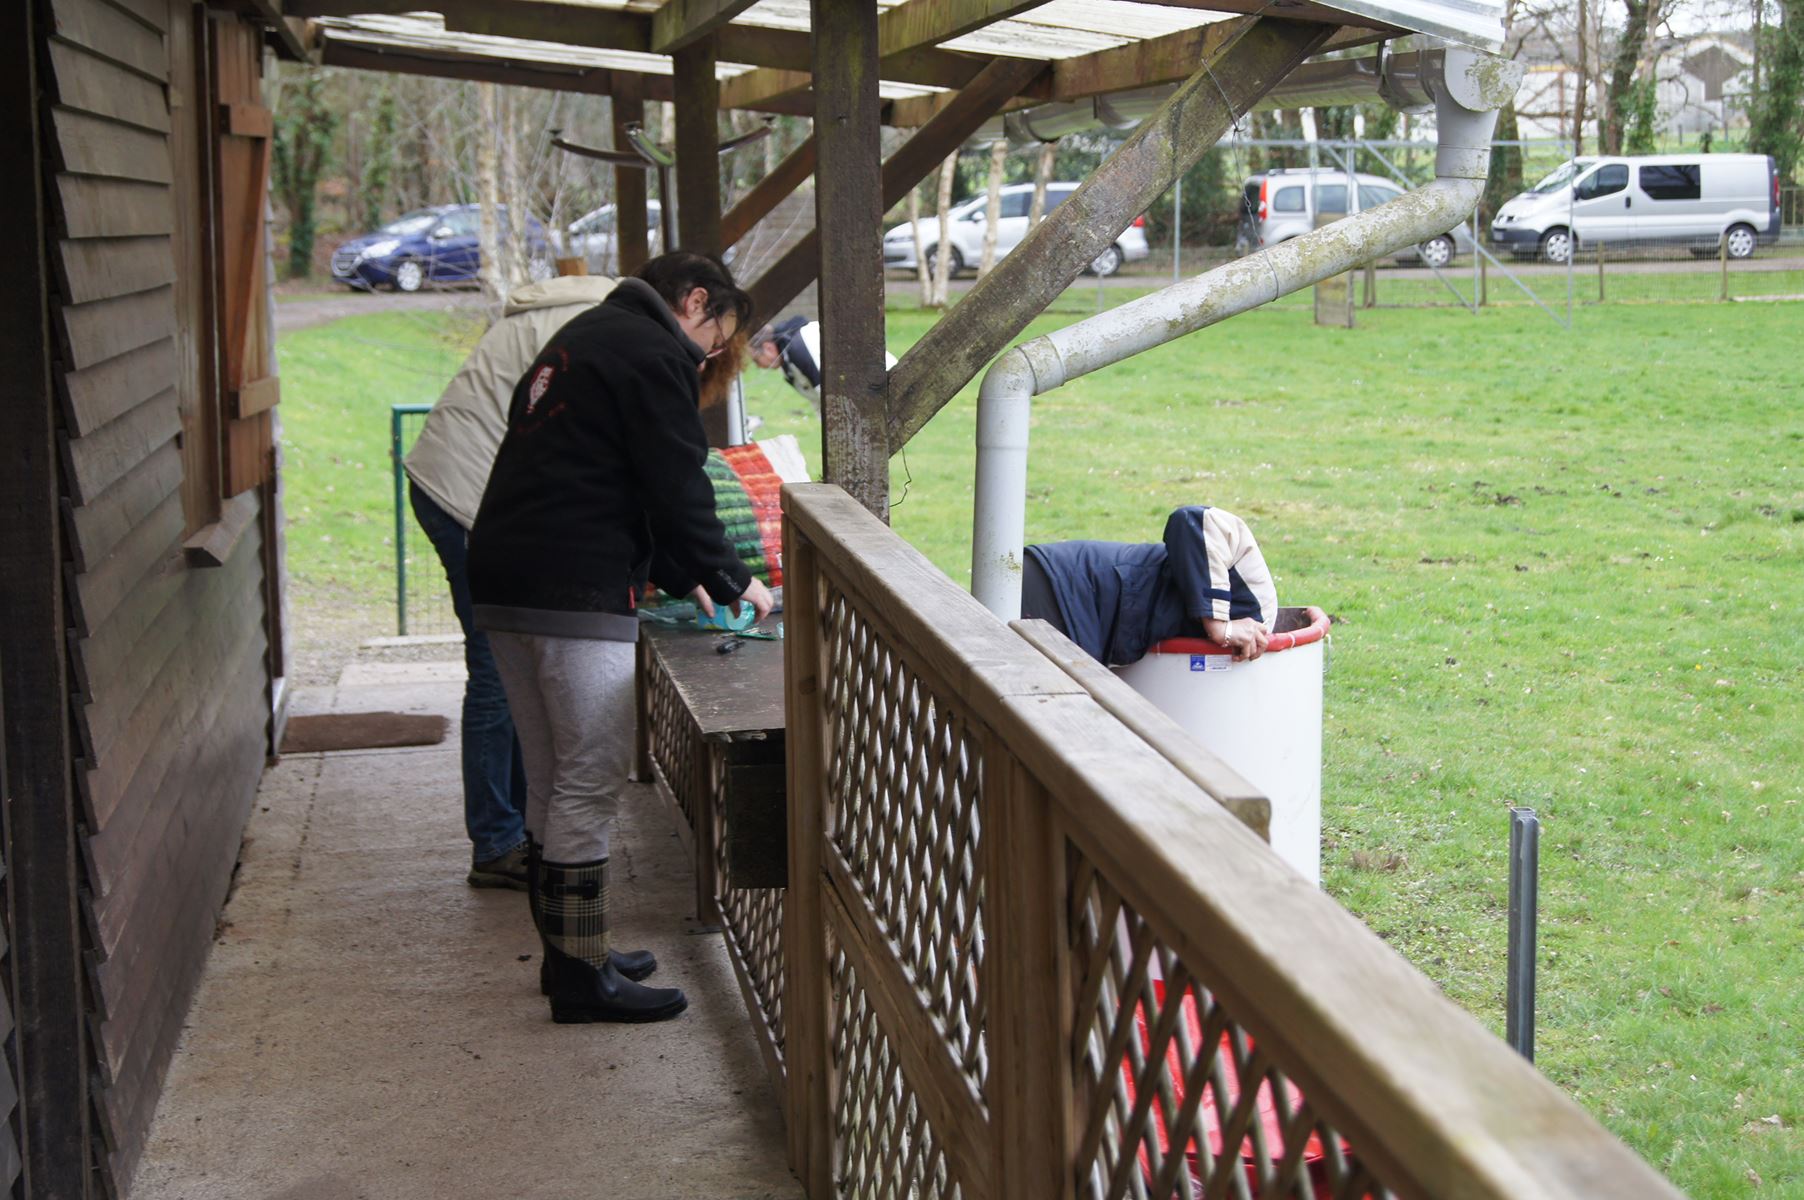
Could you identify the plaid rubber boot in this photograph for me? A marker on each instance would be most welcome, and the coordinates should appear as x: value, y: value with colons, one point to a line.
x: 585, y: 985
x: 634, y: 964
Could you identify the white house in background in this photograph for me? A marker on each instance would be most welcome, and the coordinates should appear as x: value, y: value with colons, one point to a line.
x: 1703, y: 82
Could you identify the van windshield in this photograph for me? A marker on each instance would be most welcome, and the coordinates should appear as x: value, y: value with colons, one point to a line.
x: 1561, y: 177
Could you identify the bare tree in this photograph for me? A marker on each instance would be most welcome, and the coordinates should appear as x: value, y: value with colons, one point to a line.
x: 992, y: 207
x: 921, y: 269
x: 1578, y: 103
x: 944, y: 251
x: 488, y: 187
x: 1042, y: 176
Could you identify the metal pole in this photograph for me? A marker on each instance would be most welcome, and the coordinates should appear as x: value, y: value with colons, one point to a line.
x: 394, y: 439
x: 1525, y: 867
x: 1722, y: 250
x: 1177, y: 226
x: 1601, y: 254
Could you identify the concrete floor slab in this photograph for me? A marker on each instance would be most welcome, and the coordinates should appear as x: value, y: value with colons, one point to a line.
x: 370, y: 1026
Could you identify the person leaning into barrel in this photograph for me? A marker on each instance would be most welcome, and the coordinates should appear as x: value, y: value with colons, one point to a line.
x: 599, y: 485
x: 1206, y: 578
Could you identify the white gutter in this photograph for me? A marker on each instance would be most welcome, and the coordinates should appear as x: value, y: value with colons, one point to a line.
x: 1467, y: 96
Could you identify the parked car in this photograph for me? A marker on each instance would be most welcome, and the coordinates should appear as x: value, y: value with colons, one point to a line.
x: 1285, y: 202
x: 1698, y: 200
x: 967, y: 222
x: 430, y: 245
x: 593, y: 238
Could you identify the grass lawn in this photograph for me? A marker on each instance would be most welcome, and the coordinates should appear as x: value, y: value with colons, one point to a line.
x: 1563, y: 565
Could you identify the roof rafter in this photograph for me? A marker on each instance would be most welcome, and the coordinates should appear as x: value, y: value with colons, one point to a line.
x: 906, y: 35
x: 678, y: 23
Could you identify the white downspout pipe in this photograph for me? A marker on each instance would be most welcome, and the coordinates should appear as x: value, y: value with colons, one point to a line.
x: 1467, y: 97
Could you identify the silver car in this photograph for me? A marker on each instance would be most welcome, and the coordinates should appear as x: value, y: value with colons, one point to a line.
x: 967, y: 223
x: 1285, y: 202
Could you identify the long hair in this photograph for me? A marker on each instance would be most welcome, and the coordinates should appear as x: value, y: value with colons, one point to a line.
x: 719, y: 372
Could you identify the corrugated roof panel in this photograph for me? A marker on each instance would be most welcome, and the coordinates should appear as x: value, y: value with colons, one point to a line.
x: 427, y: 32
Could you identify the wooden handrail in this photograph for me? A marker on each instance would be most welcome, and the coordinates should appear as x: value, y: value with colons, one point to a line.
x: 1435, y: 1105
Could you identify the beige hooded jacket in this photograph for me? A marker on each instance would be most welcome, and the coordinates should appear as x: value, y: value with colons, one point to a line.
x: 451, y: 459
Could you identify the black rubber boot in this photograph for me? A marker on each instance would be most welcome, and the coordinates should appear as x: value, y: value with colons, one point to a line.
x: 634, y: 964
x: 584, y: 984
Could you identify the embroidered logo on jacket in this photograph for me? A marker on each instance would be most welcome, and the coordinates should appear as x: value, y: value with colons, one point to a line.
x: 541, y: 383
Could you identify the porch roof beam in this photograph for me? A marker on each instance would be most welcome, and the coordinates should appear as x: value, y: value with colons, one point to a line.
x: 1056, y: 252
x: 1150, y: 63
x: 906, y: 37
x: 593, y: 81
x: 677, y: 23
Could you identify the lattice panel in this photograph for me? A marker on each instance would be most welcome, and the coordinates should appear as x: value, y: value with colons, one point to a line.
x: 885, y: 1146
x: 676, y: 748
x: 1177, y: 1100
x: 905, y: 779
x: 753, y: 920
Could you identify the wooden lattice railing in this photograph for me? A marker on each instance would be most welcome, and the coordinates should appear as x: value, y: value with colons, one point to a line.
x: 1026, y: 955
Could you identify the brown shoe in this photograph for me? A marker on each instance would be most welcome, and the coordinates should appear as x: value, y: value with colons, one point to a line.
x: 506, y: 871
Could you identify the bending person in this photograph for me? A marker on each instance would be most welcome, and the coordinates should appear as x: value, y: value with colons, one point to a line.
x: 446, y: 471
x: 1205, y: 579
x: 794, y: 347
x: 601, y: 467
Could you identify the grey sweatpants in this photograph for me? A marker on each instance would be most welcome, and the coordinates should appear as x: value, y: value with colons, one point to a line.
x: 572, y: 700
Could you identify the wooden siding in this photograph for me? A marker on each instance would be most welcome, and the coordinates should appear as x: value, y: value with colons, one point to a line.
x: 169, y: 664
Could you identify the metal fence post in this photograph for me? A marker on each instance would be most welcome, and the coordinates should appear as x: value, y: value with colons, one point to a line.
x: 394, y: 439
x: 1600, y: 272
x: 1519, y: 991
x: 1722, y: 250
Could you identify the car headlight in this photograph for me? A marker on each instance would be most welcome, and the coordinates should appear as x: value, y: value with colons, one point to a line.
x: 380, y: 249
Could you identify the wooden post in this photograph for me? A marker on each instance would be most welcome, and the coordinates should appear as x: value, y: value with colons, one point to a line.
x: 629, y: 189
x: 1055, y: 253
x: 1026, y: 985
x: 848, y: 205
x: 807, y: 980
x: 697, y: 148
x: 1722, y: 250
x: 35, y: 751
x: 1600, y: 271
x: 1484, y: 280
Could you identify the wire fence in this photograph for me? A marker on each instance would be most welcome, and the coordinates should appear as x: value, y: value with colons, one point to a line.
x: 422, y: 601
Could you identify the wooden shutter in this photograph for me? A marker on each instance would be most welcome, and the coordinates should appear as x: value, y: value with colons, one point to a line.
x: 241, y: 148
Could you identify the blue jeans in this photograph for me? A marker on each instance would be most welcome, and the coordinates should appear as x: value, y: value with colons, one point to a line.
x: 494, y: 772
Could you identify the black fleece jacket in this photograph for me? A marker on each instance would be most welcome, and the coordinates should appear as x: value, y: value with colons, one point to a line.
x: 599, y: 483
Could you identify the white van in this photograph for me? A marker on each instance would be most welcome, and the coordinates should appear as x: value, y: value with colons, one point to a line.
x: 1682, y: 199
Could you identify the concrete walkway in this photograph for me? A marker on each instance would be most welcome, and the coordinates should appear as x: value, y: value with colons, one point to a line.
x: 370, y: 1027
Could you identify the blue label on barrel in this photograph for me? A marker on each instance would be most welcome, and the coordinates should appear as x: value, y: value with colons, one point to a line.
x: 1199, y: 662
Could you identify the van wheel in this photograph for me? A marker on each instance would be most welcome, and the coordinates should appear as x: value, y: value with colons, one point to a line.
x: 1741, y: 241
x: 1106, y: 263
x: 1556, y: 246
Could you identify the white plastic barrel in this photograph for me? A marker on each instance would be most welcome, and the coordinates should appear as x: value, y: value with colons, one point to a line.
x: 1263, y: 718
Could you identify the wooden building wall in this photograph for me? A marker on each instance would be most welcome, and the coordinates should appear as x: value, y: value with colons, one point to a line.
x: 153, y: 132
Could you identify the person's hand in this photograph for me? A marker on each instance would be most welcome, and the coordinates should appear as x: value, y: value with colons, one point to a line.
x: 758, y: 596
x: 1245, y: 637
x: 703, y: 600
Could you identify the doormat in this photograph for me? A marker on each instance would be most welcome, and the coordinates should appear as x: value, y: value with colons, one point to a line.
x: 361, y: 731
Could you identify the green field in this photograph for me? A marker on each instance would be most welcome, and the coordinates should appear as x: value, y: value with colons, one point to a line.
x: 1563, y: 566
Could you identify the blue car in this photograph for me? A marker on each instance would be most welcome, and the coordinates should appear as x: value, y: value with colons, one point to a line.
x: 430, y: 245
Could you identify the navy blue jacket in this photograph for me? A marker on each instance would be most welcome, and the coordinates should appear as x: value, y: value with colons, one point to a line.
x: 1116, y: 599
